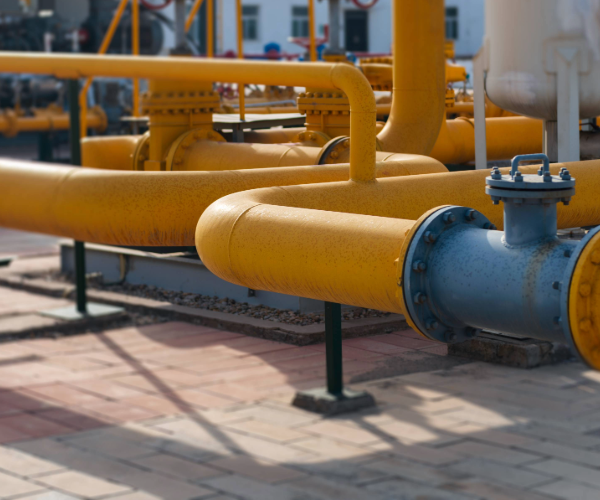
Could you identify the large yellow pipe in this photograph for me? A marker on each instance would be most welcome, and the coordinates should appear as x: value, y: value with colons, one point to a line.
x: 419, y: 77
x: 109, y: 152
x: 341, y: 76
x: 145, y: 208
x: 340, y: 242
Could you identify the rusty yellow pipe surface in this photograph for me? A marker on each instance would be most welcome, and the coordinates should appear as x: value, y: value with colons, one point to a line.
x: 340, y: 75
x: 146, y: 208
x: 340, y: 242
x: 419, y: 77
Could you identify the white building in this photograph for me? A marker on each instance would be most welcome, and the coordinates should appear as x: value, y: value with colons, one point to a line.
x: 276, y: 21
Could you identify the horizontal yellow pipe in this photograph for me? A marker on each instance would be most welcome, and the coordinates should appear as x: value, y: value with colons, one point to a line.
x: 340, y: 242
x: 506, y: 138
x: 146, y: 208
x: 324, y: 75
x: 42, y: 121
x: 113, y: 152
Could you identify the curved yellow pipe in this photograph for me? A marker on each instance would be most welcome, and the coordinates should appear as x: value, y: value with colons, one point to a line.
x: 419, y: 77
x: 340, y: 242
x: 341, y: 76
x: 146, y: 208
x: 110, y: 152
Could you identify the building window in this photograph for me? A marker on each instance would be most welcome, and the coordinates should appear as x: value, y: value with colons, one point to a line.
x: 452, y: 23
x: 250, y: 22
x: 299, y: 22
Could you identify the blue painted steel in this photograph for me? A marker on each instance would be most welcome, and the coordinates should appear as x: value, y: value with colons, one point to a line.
x: 461, y: 277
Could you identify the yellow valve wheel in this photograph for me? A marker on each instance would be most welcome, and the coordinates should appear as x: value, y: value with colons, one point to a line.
x: 584, y: 302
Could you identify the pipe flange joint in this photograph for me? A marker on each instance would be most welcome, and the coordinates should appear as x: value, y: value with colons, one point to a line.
x: 425, y: 239
x: 333, y: 149
x: 517, y: 187
x: 580, y: 299
x: 179, y: 148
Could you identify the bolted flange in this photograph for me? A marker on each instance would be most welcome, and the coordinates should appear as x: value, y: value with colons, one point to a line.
x: 424, y: 240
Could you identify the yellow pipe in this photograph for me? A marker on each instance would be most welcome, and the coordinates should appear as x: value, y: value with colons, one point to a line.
x: 506, y: 137
x: 419, y: 77
x: 109, y: 152
x: 145, y: 208
x: 340, y: 242
x: 340, y: 75
x: 210, y: 49
x: 240, y: 41
x: 311, y: 30
x: 11, y: 124
x: 135, y: 48
x: 192, y: 15
x: 108, y: 36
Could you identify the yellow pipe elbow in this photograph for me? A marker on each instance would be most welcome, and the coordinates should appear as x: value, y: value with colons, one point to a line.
x: 418, y: 103
x: 111, y: 152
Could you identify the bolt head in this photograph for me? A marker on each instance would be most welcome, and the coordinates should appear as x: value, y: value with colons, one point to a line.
x: 432, y: 324
x: 429, y: 237
x: 556, y: 285
x: 518, y: 176
x: 420, y: 298
x: 419, y: 266
x: 450, y: 336
x: 547, y: 177
x: 470, y: 214
x: 449, y: 218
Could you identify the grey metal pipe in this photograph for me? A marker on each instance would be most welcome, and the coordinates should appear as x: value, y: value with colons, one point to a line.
x: 334, y: 27
x: 180, y: 15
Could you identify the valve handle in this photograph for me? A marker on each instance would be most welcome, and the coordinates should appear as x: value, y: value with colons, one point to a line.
x: 538, y: 156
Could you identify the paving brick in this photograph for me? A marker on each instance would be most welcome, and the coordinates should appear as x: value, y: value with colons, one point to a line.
x: 418, y: 453
x: 497, y: 473
x: 49, y: 495
x: 105, y: 444
x: 164, y: 487
x: 569, y: 490
x: 481, y: 489
x: 78, y: 483
x: 267, y: 430
x: 331, y: 449
x: 249, y: 489
x: 119, y: 412
x: 567, y: 470
x: 339, y: 431
x: 496, y: 453
x: 11, y: 486
x: 177, y: 467
x: 257, y: 469
x: 400, y: 488
x: 412, y: 471
x: 33, y: 426
x: 200, y: 398
x: 64, y: 394
x: 564, y: 452
x: 106, y: 389
x: 24, y: 464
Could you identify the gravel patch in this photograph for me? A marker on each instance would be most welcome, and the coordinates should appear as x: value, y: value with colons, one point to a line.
x: 214, y: 303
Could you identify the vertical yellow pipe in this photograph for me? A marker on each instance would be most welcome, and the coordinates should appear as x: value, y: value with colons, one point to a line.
x: 135, y: 48
x: 192, y: 15
x: 210, y: 50
x: 103, y: 48
x: 240, y: 41
x: 311, y: 30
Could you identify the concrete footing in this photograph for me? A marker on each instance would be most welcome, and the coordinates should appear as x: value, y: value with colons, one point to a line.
x: 322, y: 401
x: 511, y: 351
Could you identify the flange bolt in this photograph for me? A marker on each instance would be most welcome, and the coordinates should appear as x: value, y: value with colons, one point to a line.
x: 518, y: 176
x: 419, y: 266
x: 432, y: 324
x: 547, y: 177
x: 420, y: 298
x: 429, y: 237
x: 449, y: 218
x: 450, y: 336
x: 470, y: 214
x: 496, y: 175
x: 565, y: 175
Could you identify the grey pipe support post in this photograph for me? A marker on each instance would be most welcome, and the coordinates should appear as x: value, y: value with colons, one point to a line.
x: 180, y: 14
x: 461, y: 275
x: 334, y: 27
x: 75, y: 142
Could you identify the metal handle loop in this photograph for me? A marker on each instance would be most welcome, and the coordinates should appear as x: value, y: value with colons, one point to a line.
x: 538, y: 156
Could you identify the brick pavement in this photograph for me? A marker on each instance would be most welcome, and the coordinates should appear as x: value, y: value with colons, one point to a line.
x: 178, y: 411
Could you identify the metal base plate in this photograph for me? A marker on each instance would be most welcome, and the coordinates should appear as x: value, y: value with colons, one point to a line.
x: 321, y: 401
x: 94, y: 310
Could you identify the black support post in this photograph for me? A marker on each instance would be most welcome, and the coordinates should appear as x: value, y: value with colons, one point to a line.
x: 75, y: 142
x: 333, y: 348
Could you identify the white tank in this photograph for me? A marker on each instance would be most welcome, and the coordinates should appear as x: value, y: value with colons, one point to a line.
x: 520, y: 43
